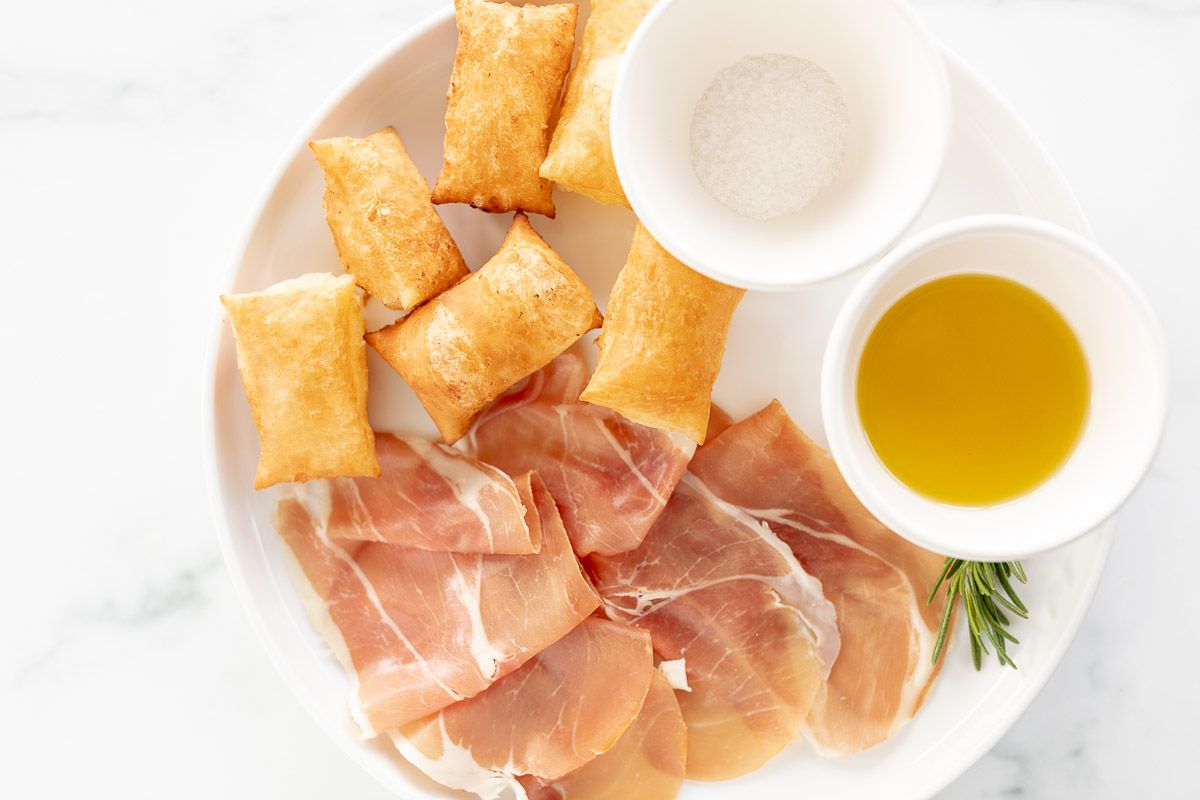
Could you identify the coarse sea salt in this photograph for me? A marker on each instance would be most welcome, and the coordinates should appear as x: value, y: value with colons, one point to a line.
x: 769, y: 134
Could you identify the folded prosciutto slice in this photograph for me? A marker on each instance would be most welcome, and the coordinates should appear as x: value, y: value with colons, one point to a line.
x: 647, y: 762
x: 433, y: 497
x: 611, y: 477
x: 751, y: 668
x: 418, y: 630
x: 877, y: 581
x: 719, y: 590
x: 567, y: 705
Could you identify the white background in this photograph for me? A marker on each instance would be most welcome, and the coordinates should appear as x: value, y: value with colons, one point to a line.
x: 134, y: 137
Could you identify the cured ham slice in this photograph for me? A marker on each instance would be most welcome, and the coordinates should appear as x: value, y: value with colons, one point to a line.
x: 418, y: 630
x: 719, y: 590
x: 877, y: 581
x: 751, y: 668
x: 648, y: 761
x: 433, y: 497
x: 700, y: 541
x: 570, y: 703
x: 611, y: 477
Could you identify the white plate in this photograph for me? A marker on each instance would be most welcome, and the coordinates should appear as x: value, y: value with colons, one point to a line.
x: 775, y: 346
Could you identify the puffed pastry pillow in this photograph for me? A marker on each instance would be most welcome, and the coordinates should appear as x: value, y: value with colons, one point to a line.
x: 303, y: 362
x: 463, y: 348
x: 388, y: 235
x: 508, y: 75
x: 580, y: 157
x: 662, y: 342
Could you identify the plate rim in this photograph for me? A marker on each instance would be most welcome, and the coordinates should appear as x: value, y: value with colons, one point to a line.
x: 956, y: 67
x: 1105, y: 532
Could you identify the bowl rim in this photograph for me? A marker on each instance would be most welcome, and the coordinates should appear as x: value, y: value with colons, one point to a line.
x: 841, y: 421
x: 622, y: 141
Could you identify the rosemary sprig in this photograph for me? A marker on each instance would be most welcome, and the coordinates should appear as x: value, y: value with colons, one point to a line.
x: 987, y: 592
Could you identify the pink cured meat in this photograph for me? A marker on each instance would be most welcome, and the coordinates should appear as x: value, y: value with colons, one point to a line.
x: 432, y: 497
x: 757, y: 635
x: 648, y: 762
x: 611, y: 477
x: 876, y: 580
x: 752, y: 669
x: 554, y: 715
x: 418, y: 630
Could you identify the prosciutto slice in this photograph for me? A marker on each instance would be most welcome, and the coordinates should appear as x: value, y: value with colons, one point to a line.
x: 611, y: 477
x: 751, y: 668
x: 648, y: 761
x: 877, y: 581
x: 418, y: 630
x: 433, y: 497
x: 566, y: 706
x: 719, y: 590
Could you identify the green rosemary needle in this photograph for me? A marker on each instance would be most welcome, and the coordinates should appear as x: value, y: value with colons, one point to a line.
x: 987, y: 592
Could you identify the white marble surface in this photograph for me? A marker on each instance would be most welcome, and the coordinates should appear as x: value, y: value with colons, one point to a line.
x: 135, y: 136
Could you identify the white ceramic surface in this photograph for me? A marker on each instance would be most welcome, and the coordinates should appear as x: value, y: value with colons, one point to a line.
x: 892, y: 79
x: 774, y: 350
x: 1121, y: 340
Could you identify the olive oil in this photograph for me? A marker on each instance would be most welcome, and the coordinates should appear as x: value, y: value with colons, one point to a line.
x: 973, y: 389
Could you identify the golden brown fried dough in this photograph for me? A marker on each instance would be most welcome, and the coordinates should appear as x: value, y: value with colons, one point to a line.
x: 460, y: 350
x: 662, y: 342
x: 304, y: 368
x: 508, y: 75
x: 387, y: 233
x: 580, y: 157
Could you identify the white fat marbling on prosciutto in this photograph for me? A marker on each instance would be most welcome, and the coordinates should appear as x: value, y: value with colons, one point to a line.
x: 456, y: 768
x: 316, y: 499
x: 795, y: 586
x: 922, y: 638
x: 675, y: 671
x: 468, y: 588
x: 467, y: 480
x: 610, y: 477
x: 360, y: 515
x: 627, y: 459
x: 432, y: 497
x: 329, y: 633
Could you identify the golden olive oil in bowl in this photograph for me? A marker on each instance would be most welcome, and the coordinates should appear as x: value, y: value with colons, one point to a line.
x: 973, y: 389
x: 994, y: 387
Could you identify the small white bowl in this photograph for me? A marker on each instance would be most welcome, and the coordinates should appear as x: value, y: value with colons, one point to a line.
x: 1126, y: 356
x: 897, y: 95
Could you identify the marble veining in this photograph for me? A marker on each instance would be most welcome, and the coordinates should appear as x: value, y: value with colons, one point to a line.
x: 159, y: 601
x: 136, y: 136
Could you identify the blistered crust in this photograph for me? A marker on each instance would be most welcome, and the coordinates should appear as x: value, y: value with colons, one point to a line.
x: 460, y: 350
x: 508, y: 75
x: 304, y: 368
x: 662, y: 342
x: 387, y: 232
x: 580, y: 157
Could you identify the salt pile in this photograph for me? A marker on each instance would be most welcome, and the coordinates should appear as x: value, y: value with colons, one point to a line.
x: 769, y: 134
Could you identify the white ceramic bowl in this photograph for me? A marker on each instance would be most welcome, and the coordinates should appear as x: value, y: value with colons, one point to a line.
x: 897, y: 95
x: 1126, y: 356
